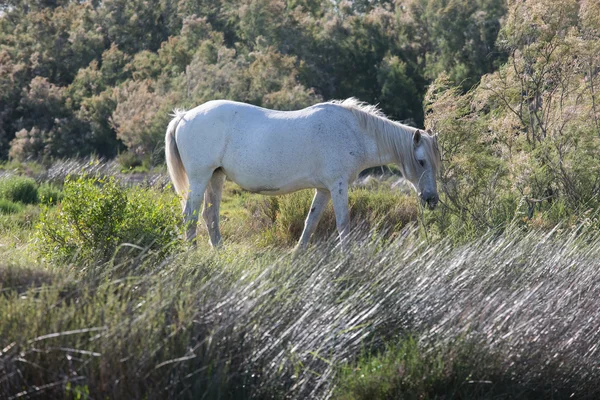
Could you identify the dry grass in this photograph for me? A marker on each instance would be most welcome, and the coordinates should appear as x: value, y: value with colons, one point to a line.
x: 244, y: 323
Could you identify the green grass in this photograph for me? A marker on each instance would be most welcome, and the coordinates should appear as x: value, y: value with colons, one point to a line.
x: 382, y: 210
x: 511, y: 315
x: 246, y: 322
x: 19, y: 189
x: 457, y: 370
x: 27, y: 168
x: 9, y: 207
x: 402, y: 371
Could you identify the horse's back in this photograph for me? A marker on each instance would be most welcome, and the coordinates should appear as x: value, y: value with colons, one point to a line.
x: 247, y: 114
x: 264, y: 150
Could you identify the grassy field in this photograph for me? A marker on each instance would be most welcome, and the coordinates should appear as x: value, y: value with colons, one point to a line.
x: 400, y: 314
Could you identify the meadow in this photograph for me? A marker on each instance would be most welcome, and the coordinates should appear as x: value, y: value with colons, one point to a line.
x: 101, y: 298
x: 493, y: 295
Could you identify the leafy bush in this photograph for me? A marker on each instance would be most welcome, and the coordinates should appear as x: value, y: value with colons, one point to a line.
x: 129, y: 161
x: 50, y: 194
x: 19, y: 189
x: 97, y: 215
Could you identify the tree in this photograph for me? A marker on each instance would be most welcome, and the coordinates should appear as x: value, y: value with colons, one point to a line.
x: 455, y: 36
x: 48, y: 127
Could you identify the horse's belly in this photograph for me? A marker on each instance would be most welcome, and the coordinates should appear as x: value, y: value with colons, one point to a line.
x: 270, y: 182
x: 272, y: 174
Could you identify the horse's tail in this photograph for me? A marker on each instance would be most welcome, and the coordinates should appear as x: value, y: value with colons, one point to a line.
x: 174, y: 164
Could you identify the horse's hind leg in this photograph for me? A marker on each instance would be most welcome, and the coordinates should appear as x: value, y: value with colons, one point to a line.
x: 314, y: 215
x: 198, y: 185
x: 212, y: 203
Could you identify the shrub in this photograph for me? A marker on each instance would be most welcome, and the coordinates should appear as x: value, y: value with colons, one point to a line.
x: 19, y: 189
x: 50, y: 194
x: 8, y: 207
x: 128, y: 161
x: 97, y: 215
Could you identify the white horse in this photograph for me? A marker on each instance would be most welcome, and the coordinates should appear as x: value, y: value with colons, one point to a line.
x: 270, y: 152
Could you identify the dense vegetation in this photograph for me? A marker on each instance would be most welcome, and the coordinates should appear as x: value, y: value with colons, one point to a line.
x: 82, y: 77
x: 510, y: 87
x: 514, y: 315
x: 394, y: 316
x: 492, y: 295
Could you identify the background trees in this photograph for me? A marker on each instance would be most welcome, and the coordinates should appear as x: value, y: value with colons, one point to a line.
x: 531, y: 127
x: 81, y: 77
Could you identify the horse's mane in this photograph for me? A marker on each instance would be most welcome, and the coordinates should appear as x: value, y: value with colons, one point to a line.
x: 392, y: 134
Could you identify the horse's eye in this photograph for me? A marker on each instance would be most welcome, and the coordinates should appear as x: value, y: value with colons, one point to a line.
x: 422, y: 163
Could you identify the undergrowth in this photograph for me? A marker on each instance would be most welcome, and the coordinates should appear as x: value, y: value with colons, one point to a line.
x: 515, y: 314
x: 381, y: 210
x: 100, y: 220
x: 399, y: 313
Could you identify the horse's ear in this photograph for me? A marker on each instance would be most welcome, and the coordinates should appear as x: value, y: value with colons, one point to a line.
x: 417, y: 138
x: 429, y: 131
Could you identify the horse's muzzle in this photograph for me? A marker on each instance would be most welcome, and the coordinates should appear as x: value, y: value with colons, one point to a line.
x: 431, y: 201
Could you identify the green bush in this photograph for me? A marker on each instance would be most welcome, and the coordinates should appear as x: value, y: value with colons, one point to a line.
x: 97, y: 216
x: 19, y: 189
x: 129, y: 161
x: 50, y: 194
x: 9, y: 207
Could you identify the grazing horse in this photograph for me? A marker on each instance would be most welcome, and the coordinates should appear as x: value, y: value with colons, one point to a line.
x: 271, y: 152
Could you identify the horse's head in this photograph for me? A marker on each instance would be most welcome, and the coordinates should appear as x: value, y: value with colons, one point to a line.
x: 424, y: 167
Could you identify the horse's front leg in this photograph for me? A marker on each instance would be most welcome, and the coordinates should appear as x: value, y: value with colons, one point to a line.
x: 339, y: 196
x: 314, y: 215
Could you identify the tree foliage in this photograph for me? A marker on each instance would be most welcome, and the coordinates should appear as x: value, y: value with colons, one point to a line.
x: 526, y: 142
x: 81, y: 77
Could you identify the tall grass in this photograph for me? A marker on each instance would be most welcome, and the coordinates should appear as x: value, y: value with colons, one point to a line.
x: 19, y: 189
x: 381, y: 209
x: 517, y: 315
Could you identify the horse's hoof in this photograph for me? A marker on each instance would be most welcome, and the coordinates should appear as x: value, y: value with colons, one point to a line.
x: 298, y: 250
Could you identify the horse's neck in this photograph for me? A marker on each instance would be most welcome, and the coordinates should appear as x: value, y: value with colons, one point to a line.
x: 378, y: 153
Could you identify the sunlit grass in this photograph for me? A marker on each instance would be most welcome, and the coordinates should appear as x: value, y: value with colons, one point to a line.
x: 517, y: 311
x: 391, y: 315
